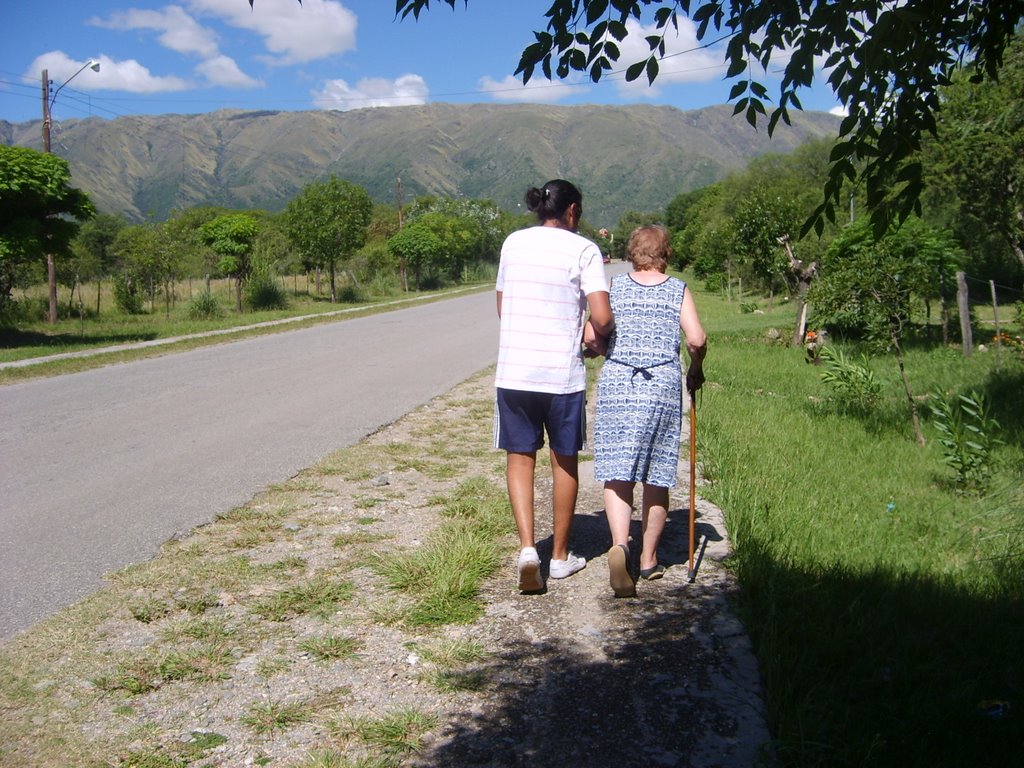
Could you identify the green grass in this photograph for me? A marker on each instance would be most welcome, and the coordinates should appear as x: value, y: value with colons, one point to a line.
x: 885, y: 606
x: 396, y: 734
x: 318, y: 596
x: 271, y: 716
x: 331, y: 647
x: 443, y: 576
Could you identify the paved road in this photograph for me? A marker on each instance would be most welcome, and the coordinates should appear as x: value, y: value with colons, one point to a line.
x: 98, y: 469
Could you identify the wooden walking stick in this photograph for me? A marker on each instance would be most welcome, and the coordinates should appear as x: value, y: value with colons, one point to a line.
x: 691, y: 573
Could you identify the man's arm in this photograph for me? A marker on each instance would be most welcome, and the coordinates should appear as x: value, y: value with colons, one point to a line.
x: 601, y: 313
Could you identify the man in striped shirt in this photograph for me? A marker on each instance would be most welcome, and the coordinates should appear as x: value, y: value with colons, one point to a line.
x: 548, y: 278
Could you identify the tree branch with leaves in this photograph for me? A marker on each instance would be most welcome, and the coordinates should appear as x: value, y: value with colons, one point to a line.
x: 885, y: 60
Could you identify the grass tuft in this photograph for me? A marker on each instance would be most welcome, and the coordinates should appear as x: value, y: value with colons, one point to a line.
x: 272, y: 716
x: 319, y: 596
x: 331, y: 647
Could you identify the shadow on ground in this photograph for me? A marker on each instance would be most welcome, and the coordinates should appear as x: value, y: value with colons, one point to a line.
x: 664, y: 679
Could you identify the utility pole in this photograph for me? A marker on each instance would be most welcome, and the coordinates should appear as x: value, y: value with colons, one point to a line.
x: 401, y: 264
x: 51, y: 266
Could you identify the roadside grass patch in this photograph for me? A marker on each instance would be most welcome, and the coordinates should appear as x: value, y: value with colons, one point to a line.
x: 355, y: 464
x: 135, y: 675
x: 331, y: 647
x: 212, y: 629
x: 450, y: 669
x: 267, y: 717
x: 148, y: 609
x: 206, y: 664
x: 267, y: 667
x: 443, y: 576
x: 396, y: 734
x: 355, y: 538
x: 336, y: 758
x: 195, y: 600
x: 317, y: 596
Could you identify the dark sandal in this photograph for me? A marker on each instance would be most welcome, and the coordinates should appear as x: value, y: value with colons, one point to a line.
x: 652, y: 573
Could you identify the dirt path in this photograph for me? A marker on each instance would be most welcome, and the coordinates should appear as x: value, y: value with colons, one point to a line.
x: 667, y: 678
x: 181, y: 662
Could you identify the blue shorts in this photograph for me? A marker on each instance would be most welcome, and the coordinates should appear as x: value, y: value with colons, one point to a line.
x: 521, y: 417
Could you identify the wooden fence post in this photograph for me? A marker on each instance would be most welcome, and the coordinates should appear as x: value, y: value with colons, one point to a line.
x: 965, y: 313
x: 995, y: 318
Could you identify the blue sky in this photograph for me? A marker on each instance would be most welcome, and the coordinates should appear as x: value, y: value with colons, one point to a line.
x: 195, y: 56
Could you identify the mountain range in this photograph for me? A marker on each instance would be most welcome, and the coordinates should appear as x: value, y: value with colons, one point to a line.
x: 630, y: 158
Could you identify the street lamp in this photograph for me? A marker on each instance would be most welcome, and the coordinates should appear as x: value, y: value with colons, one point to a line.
x: 51, y: 267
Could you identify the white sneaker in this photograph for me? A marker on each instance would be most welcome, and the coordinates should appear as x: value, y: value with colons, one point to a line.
x: 560, y: 569
x: 528, y: 567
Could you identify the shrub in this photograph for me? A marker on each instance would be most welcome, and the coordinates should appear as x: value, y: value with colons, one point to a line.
x: 24, y: 310
x: 262, y: 291
x: 205, y: 306
x: 350, y: 294
x: 854, y: 383
x: 966, y: 432
x: 126, y: 295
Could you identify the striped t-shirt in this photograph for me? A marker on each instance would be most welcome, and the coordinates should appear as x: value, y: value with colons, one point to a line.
x: 544, y: 277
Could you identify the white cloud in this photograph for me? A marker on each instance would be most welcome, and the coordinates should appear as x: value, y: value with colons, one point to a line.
x: 223, y: 71
x: 126, y: 75
x: 539, y: 89
x: 685, y: 61
x: 839, y: 111
x: 179, y: 31
x: 294, y: 33
x: 407, y: 90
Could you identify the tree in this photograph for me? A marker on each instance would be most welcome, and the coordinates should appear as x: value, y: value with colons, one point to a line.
x: 327, y: 221
x: 418, y: 247
x: 975, y: 167
x: 762, y: 221
x: 231, y: 237
x: 470, y: 229
x: 147, y: 257
x: 93, y: 249
x: 886, y: 61
x: 39, y: 213
x: 866, y: 285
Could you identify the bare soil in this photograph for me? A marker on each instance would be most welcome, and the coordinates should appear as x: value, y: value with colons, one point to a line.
x: 571, y: 677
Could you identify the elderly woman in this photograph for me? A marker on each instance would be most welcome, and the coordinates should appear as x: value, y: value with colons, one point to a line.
x: 639, y: 399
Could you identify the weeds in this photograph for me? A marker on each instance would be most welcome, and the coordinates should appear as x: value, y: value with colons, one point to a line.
x: 149, y: 610
x: 854, y: 383
x: 444, y: 575
x: 268, y: 717
x: 319, y: 596
x: 397, y: 734
x: 967, y: 435
x: 205, y: 306
x: 331, y: 647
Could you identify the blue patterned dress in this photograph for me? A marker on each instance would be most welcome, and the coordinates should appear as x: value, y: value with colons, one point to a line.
x: 638, y: 416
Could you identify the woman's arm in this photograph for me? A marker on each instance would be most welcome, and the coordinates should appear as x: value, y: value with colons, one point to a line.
x: 696, y: 341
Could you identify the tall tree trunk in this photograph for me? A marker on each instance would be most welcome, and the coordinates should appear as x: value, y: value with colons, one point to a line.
x: 804, y: 274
